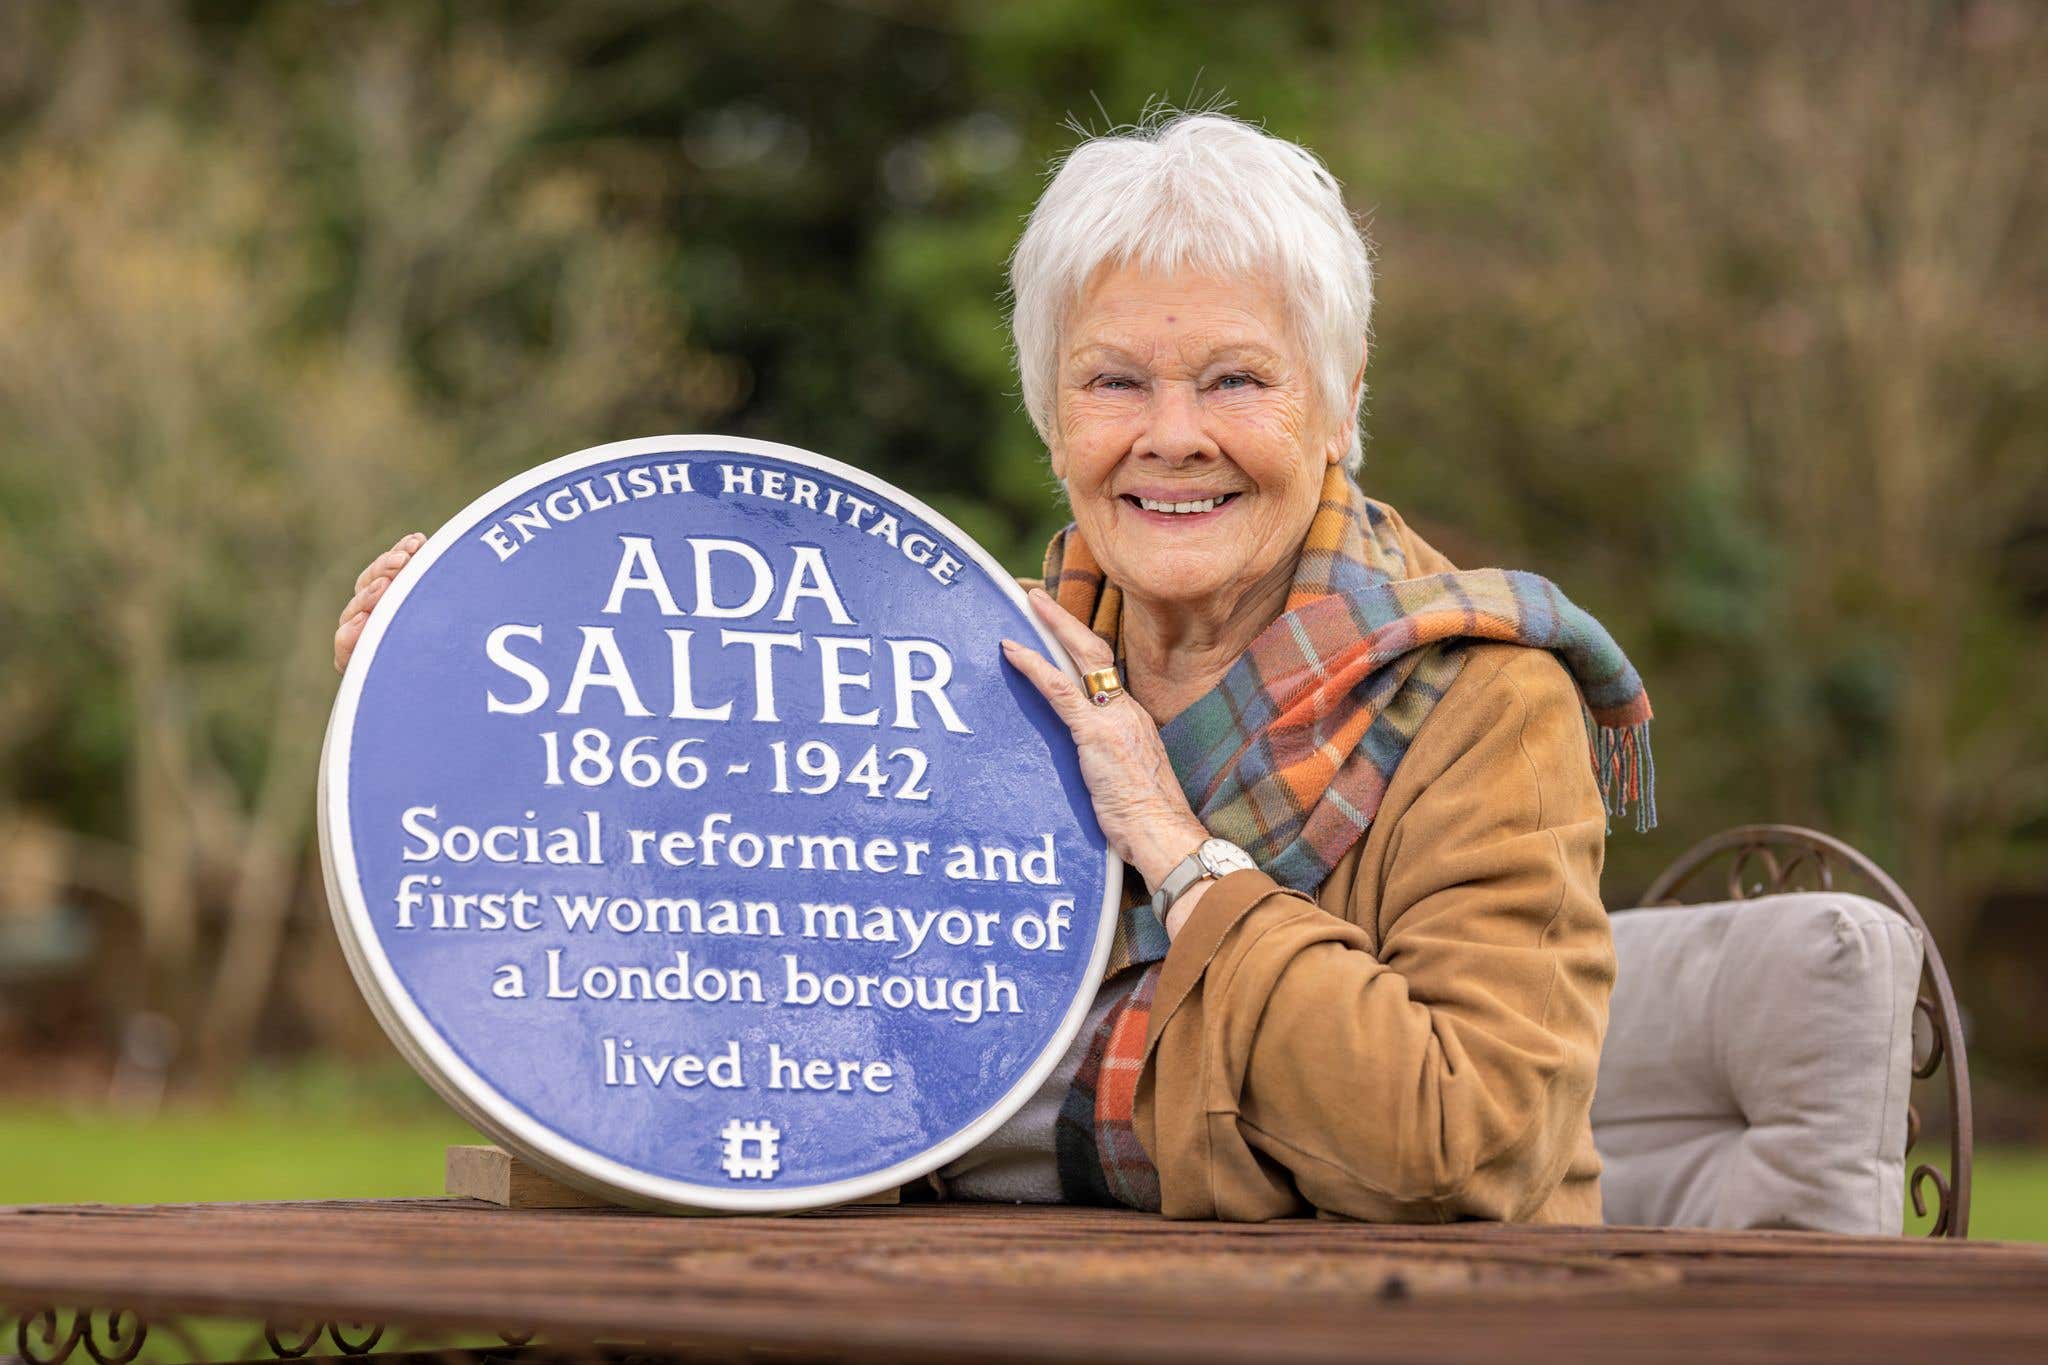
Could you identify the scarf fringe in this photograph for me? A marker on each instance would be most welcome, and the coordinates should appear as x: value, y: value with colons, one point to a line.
x: 1625, y: 769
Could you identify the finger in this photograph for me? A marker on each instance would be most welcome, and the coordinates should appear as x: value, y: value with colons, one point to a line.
x: 383, y: 566
x: 1088, y: 649
x: 378, y: 566
x: 345, y: 640
x: 1052, y: 682
x: 366, y: 597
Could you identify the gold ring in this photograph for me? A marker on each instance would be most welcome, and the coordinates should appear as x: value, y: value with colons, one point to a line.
x: 1104, y: 685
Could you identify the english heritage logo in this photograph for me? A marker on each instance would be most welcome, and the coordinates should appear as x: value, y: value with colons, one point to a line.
x: 686, y: 830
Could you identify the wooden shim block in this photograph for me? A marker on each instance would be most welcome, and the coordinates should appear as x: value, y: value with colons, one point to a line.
x: 495, y: 1176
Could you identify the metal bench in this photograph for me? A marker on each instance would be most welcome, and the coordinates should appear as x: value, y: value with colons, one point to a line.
x: 1764, y: 860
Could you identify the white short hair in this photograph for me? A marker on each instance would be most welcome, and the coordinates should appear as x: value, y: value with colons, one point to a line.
x: 1201, y: 192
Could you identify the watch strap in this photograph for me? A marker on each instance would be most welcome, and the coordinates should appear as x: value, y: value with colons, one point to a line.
x: 1211, y: 858
x: 1175, y: 884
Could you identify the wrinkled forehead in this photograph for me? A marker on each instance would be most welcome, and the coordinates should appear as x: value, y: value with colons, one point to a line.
x: 1149, y: 315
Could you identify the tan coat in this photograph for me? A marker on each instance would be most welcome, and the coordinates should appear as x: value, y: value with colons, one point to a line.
x: 1418, y: 1043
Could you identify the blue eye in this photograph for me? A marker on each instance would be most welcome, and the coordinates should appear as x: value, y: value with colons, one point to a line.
x: 1233, y: 381
x: 1114, y: 382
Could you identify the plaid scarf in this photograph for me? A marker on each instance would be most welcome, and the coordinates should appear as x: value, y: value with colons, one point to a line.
x: 1289, y: 755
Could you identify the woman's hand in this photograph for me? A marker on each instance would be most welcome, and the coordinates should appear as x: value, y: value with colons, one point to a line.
x: 1138, y: 800
x: 370, y: 586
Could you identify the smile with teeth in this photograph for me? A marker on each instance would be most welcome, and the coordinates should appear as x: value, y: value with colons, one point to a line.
x: 1180, y: 508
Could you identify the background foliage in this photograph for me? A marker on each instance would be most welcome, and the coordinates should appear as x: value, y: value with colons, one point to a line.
x: 1729, y: 317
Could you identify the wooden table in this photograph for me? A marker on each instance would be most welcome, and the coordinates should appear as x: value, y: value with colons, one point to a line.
x: 952, y: 1282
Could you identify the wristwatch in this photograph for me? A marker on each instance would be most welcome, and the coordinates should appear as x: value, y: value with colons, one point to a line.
x: 1214, y: 858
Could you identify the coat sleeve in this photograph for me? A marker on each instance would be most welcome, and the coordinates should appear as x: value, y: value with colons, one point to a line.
x: 1437, y: 1060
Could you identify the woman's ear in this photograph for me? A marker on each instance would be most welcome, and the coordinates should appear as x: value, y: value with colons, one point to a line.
x: 1340, y: 443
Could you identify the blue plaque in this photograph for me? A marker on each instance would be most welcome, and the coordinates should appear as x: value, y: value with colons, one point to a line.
x: 685, y: 828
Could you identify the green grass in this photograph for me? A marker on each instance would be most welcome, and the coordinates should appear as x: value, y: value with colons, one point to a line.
x: 2009, y: 1198
x: 232, y: 1153
x: 333, y: 1135
x: 313, y: 1132
x: 236, y: 1153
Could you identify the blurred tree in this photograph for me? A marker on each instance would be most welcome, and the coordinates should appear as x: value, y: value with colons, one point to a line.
x: 1731, y: 319
x: 253, y: 312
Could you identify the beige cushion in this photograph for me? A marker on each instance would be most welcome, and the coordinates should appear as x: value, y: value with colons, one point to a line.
x: 1756, y: 1067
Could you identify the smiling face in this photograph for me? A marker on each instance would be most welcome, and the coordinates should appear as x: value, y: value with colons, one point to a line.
x: 1189, y: 437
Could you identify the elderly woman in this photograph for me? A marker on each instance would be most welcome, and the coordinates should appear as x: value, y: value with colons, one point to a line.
x: 1368, y: 969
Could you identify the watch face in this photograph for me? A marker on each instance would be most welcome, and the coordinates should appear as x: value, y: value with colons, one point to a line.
x: 1221, y: 857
